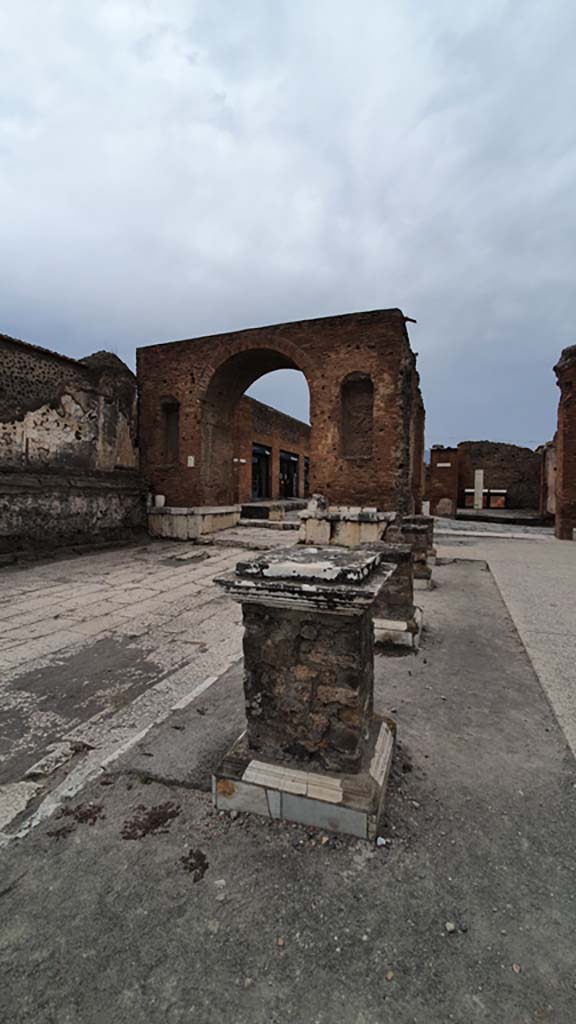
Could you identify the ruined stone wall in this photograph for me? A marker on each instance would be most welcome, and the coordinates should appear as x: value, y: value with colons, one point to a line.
x: 506, y: 467
x: 548, y: 478
x: 207, y: 377
x: 417, y: 444
x: 68, y: 456
x: 565, y: 371
x: 255, y: 422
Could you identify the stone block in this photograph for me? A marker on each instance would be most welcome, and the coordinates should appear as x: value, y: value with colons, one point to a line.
x: 369, y: 533
x: 346, y: 533
x: 235, y: 795
x: 423, y: 584
x: 398, y: 632
x: 191, y: 523
x: 316, y: 531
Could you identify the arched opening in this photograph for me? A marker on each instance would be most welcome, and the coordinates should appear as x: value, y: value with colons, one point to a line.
x: 356, y: 416
x: 255, y: 445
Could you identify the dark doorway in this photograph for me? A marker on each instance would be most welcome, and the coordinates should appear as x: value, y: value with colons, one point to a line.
x: 288, y: 475
x: 261, y: 471
x: 306, y: 477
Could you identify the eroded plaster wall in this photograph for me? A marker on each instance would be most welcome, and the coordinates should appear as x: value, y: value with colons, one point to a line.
x: 68, y: 455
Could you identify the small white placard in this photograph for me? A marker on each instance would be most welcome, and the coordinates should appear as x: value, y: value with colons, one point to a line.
x: 190, y: 462
x: 443, y: 465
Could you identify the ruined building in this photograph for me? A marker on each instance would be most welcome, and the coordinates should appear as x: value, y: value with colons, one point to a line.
x: 273, y: 453
x: 73, y: 468
x: 565, y: 499
x: 511, y: 476
x: 367, y: 416
x: 68, y: 457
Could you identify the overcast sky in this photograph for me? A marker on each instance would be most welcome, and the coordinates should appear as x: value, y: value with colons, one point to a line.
x: 171, y: 168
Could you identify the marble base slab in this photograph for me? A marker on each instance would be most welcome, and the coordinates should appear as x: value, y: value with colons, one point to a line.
x: 423, y: 584
x: 400, y: 632
x: 349, y: 804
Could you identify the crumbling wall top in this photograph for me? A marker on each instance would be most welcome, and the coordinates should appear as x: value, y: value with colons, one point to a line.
x: 567, y: 359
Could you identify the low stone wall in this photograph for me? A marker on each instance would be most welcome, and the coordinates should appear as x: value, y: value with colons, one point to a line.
x: 39, y: 511
x: 344, y: 525
x: 191, y: 523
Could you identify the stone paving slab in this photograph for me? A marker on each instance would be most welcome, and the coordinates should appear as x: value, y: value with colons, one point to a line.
x: 538, y: 584
x: 82, y: 638
x: 142, y: 904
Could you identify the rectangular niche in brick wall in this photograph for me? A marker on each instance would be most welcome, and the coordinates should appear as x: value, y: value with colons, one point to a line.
x: 171, y: 429
x: 357, y: 423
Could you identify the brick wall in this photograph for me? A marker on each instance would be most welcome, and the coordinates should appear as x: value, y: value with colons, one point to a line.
x: 255, y: 422
x: 443, y: 481
x: 417, y: 431
x: 207, y: 377
x: 68, y: 456
x: 506, y: 467
x: 565, y: 371
x: 548, y: 479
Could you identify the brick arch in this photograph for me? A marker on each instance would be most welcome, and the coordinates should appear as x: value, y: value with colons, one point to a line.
x: 208, y: 375
x: 221, y: 393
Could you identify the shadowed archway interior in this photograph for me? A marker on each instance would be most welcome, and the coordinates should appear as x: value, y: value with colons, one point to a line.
x: 226, y: 387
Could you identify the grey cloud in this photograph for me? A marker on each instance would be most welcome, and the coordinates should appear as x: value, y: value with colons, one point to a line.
x: 182, y: 167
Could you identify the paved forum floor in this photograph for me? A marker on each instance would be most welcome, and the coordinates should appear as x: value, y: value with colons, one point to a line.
x: 93, y: 649
x: 536, y: 577
x: 137, y: 902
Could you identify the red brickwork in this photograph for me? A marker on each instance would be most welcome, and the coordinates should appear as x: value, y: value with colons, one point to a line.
x: 565, y: 371
x: 257, y: 423
x: 548, y: 479
x: 507, y: 467
x: 443, y: 481
x: 417, y: 428
x: 208, y: 376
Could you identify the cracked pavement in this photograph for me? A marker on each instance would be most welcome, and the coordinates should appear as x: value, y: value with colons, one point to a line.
x: 94, y: 649
x: 136, y: 901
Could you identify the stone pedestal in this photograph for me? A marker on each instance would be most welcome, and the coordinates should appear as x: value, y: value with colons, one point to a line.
x: 396, y: 619
x: 313, y: 750
x: 418, y: 532
x: 428, y: 523
x: 322, y: 524
x: 343, y: 525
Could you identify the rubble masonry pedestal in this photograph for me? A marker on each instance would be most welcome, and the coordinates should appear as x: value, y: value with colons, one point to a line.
x: 397, y: 620
x: 313, y: 750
